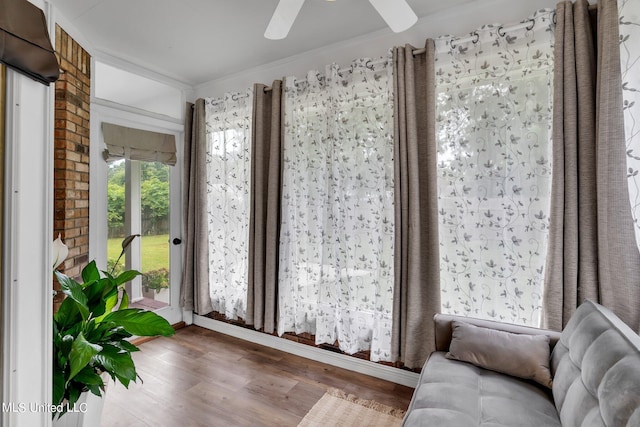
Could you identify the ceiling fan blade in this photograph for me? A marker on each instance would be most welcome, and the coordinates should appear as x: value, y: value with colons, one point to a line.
x: 397, y: 14
x: 283, y: 18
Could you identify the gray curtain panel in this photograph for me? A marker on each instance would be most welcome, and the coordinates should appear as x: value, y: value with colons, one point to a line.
x: 592, y: 250
x: 264, y: 225
x: 417, y: 274
x: 194, y: 290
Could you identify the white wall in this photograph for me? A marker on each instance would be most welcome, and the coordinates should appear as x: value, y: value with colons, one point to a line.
x: 27, y: 279
x: 27, y: 276
x: 28, y: 230
x: 457, y: 21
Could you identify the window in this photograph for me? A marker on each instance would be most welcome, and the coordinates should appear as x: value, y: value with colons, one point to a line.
x: 228, y: 124
x: 493, y: 119
x: 336, y: 242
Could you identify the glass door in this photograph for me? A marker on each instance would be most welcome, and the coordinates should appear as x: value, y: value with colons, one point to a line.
x: 139, y: 203
x: 155, y: 233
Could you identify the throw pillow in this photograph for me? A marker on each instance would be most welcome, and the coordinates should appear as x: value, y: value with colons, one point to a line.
x: 518, y: 355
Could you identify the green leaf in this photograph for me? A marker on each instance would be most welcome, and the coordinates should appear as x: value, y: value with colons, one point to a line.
x: 117, y: 363
x: 74, y: 290
x: 139, y: 322
x: 95, y: 301
x: 127, y: 346
x: 68, y: 314
x: 90, y: 333
x: 90, y: 378
x: 124, y: 303
x: 112, y: 291
x: 58, y: 386
x: 107, y: 274
x: 95, y: 389
x: 74, y: 395
x: 65, y: 344
x: 127, y: 276
x: 81, y: 353
x: 117, y: 332
x: 97, y: 291
x: 93, y: 291
x: 110, y: 303
x: 90, y: 272
x: 65, y: 281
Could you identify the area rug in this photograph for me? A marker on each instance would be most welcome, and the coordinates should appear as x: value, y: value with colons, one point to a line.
x: 337, y: 408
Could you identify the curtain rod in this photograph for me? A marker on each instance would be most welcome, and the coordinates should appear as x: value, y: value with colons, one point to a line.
x: 369, y: 64
x: 475, y: 37
x: 528, y: 24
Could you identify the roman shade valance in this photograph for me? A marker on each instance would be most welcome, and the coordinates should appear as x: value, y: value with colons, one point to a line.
x: 135, y: 144
x: 24, y: 41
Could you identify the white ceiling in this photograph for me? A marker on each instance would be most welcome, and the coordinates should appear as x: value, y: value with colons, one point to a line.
x: 196, y: 41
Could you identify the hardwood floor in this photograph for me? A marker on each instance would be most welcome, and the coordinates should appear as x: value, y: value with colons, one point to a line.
x: 204, y: 378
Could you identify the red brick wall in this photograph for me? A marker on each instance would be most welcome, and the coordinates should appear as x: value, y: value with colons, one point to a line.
x: 71, y: 153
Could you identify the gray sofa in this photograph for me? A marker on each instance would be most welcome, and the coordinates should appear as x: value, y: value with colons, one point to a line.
x: 594, y: 365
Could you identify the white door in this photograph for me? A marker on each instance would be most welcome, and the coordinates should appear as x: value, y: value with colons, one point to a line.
x: 141, y: 198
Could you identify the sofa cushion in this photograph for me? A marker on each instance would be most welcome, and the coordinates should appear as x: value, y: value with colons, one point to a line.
x: 596, y: 368
x: 459, y: 394
x: 523, y: 356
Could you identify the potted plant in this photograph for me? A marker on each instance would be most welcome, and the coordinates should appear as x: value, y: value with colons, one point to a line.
x: 91, y: 331
x: 155, y: 280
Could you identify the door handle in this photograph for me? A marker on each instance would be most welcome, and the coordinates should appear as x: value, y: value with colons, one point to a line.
x: 176, y: 241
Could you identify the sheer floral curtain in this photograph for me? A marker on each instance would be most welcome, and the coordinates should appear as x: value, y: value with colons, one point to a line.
x: 228, y: 160
x: 629, y: 18
x: 493, y: 130
x: 336, y: 241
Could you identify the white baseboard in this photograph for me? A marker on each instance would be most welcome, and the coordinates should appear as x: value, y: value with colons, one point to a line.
x: 377, y: 370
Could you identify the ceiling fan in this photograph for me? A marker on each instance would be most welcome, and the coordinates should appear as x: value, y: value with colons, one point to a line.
x: 397, y: 14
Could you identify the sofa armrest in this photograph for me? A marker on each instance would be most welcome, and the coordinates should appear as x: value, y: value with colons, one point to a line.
x: 443, y: 329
